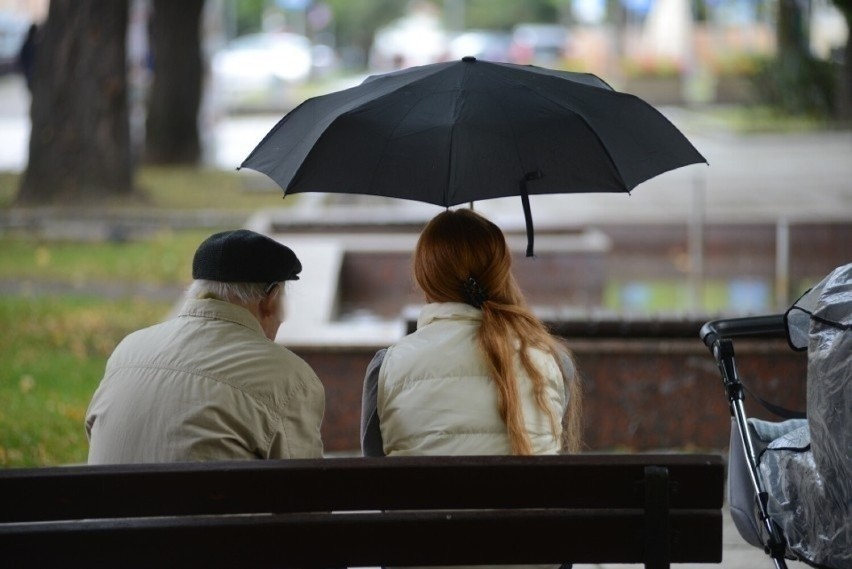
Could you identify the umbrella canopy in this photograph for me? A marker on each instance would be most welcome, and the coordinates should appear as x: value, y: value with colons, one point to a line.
x: 468, y: 130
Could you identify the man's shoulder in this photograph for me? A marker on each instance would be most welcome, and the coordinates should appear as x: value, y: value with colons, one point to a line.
x: 288, y: 358
x: 277, y: 376
x: 271, y: 359
x: 143, y: 335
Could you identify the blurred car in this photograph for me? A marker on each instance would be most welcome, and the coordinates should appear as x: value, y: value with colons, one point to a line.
x: 489, y: 45
x: 260, y: 70
x: 324, y: 60
x: 417, y: 39
x: 539, y: 44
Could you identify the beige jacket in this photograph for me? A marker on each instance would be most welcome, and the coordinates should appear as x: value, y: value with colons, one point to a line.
x: 206, y: 385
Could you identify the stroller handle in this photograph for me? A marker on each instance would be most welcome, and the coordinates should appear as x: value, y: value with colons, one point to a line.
x: 770, y: 325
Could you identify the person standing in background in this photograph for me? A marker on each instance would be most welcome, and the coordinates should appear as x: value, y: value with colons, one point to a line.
x: 27, y: 55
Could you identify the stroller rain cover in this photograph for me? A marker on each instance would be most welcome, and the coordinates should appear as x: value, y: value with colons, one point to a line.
x: 808, y: 471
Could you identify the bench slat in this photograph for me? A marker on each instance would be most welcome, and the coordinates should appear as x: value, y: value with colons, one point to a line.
x: 322, y: 540
x: 351, y: 484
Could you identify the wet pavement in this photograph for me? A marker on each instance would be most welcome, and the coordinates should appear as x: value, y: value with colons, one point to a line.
x: 736, y: 554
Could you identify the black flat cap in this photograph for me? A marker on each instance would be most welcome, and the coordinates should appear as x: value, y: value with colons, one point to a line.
x: 243, y: 256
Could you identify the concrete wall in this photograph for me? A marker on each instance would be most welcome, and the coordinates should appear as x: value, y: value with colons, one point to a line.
x: 380, y: 282
x: 640, y: 394
x: 648, y: 385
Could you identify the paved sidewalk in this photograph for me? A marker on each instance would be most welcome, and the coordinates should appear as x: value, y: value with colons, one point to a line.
x: 736, y: 554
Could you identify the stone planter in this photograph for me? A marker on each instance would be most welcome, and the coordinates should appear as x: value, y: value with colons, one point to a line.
x: 734, y: 89
x: 657, y: 90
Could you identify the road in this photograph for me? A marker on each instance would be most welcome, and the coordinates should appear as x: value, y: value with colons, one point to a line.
x: 750, y: 178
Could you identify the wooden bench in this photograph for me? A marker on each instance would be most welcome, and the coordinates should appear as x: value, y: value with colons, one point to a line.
x: 347, y: 512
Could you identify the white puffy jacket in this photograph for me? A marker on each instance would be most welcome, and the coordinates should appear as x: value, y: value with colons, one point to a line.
x: 435, y: 396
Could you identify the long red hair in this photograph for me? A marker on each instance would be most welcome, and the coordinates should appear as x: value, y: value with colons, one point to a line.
x: 457, y: 245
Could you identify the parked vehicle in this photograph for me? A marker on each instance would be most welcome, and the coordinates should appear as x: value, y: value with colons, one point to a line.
x: 417, y: 39
x: 490, y: 45
x: 539, y: 44
x: 261, y: 70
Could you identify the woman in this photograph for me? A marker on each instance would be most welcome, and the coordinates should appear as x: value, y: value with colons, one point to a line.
x: 481, y: 375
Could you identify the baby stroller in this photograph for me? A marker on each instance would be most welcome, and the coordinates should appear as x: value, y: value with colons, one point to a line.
x: 790, y: 482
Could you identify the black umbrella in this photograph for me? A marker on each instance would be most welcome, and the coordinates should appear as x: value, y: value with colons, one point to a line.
x: 464, y: 131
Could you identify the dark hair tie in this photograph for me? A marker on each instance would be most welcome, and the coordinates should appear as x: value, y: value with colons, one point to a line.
x: 474, y: 293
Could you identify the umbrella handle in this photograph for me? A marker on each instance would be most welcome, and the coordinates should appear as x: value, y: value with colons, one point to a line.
x: 525, y: 201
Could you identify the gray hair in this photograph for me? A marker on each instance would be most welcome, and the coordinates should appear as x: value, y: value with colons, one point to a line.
x: 243, y: 293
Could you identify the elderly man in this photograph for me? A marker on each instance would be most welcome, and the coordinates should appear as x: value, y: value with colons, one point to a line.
x: 211, y: 384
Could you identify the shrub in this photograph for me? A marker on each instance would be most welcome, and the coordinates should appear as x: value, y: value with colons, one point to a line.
x: 798, y: 85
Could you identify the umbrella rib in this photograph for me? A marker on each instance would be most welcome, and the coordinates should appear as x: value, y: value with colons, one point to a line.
x: 609, y: 155
x: 525, y: 175
x: 452, y: 139
x: 373, y: 174
x: 596, y: 135
x: 583, y: 118
x: 387, y: 144
x: 520, y: 84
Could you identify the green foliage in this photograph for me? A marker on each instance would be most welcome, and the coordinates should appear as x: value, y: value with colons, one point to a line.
x: 53, y: 360
x: 665, y: 296
x: 248, y: 15
x: 184, y: 188
x: 503, y: 14
x: 190, y: 188
x: 356, y: 21
x: 762, y: 119
x: 798, y: 85
x: 161, y: 260
x: 736, y: 64
x: 9, y: 183
x: 845, y: 7
x: 651, y: 67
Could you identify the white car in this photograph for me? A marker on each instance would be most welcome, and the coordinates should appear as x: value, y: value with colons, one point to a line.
x: 540, y: 44
x: 260, y: 70
x: 489, y: 45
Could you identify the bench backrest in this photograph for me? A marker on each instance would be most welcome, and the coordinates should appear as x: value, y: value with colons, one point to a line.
x: 423, y: 510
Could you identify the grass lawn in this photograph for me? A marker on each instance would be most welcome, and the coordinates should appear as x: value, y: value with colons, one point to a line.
x: 185, y: 188
x: 755, y: 119
x: 164, y: 259
x: 54, y: 348
x: 53, y: 354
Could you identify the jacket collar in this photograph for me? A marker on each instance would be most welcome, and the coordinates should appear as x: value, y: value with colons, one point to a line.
x: 447, y: 311
x: 221, y: 310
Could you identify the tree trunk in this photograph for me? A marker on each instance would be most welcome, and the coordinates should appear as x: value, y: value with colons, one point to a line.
x: 791, y: 33
x: 80, y: 139
x: 844, y: 87
x: 171, y: 130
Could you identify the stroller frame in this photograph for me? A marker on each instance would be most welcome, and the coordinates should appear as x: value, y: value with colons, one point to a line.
x: 717, y: 335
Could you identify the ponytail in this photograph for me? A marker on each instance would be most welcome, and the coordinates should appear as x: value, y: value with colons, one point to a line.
x: 463, y: 257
